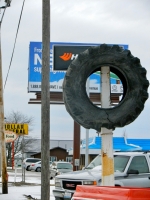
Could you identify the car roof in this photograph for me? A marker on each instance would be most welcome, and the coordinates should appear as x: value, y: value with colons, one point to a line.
x: 130, y: 153
x: 33, y: 158
x: 61, y: 162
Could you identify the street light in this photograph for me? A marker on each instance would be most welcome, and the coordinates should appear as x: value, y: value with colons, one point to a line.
x: 7, y: 3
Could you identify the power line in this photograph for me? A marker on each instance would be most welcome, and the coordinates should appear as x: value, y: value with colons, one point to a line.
x: 14, y: 43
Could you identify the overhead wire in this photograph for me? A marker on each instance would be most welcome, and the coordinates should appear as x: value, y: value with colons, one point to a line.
x: 14, y: 43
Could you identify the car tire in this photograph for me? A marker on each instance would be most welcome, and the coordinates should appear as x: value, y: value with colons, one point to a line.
x: 38, y: 169
x: 28, y: 168
x: 126, y: 67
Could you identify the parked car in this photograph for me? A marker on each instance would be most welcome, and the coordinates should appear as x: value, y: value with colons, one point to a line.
x: 60, y: 167
x: 37, y: 166
x: 131, y: 169
x: 28, y: 161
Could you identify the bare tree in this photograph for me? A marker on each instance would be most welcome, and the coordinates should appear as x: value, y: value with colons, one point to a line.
x: 18, y: 118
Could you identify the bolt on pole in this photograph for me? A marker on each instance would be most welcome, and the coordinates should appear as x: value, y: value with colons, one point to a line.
x: 106, y: 134
x: 2, y: 134
x: 45, y: 102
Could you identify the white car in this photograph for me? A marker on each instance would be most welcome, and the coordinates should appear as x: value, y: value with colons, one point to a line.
x: 60, y: 167
x: 37, y: 166
x: 27, y: 162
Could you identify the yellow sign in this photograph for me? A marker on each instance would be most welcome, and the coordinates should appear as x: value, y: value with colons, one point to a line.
x: 20, y: 129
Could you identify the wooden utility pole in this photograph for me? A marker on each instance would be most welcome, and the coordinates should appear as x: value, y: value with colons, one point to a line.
x: 2, y: 133
x: 45, y: 98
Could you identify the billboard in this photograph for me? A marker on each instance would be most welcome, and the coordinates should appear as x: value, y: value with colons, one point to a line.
x: 61, y: 55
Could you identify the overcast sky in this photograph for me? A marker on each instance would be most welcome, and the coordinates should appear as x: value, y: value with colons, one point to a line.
x: 82, y: 21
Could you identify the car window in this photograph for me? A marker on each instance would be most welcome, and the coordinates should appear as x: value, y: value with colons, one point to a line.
x: 32, y: 160
x: 35, y: 160
x: 95, y: 162
x: 64, y: 166
x: 120, y: 162
x: 139, y: 163
x: 29, y: 160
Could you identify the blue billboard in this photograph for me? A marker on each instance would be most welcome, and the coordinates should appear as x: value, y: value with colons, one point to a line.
x: 56, y: 77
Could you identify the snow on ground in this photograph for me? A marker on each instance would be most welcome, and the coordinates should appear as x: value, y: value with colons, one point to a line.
x: 17, y: 191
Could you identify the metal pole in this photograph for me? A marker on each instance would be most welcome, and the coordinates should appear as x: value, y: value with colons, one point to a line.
x: 45, y: 99
x: 76, y: 145
x: 13, y: 154
x: 2, y: 133
x: 15, y: 173
x: 0, y: 160
x: 23, y: 167
x: 106, y: 134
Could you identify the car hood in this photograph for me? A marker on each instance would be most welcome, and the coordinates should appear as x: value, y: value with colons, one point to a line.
x: 64, y: 170
x: 82, y: 174
x: 85, y: 174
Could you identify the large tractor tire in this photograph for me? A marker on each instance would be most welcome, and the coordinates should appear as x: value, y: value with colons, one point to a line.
x: 126, y: 67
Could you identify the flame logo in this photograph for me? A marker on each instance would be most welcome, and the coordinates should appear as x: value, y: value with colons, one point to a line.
x: 66, y: 56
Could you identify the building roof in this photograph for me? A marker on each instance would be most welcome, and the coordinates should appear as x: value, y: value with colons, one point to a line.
x: 119, y: 144
x: 34, y: 145
x: 143, y: 143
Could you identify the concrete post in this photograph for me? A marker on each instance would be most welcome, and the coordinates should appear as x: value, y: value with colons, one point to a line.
x: 106, y: 134
x: 87, y: 130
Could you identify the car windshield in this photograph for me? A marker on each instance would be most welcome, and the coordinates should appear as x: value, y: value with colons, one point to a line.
x: 64, y: 166
x: 95, y: 162
x: 120, y: 162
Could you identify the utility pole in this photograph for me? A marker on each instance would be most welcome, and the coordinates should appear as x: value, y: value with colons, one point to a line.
x: 45, y: 102
x: 2, y: 132
x: 2, y: 128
